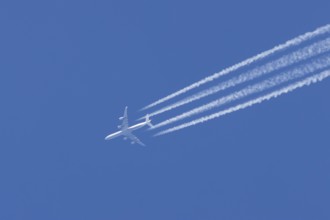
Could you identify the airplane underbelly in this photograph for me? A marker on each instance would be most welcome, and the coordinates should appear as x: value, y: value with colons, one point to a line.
x: 114, y: 135
x: 135, y: 127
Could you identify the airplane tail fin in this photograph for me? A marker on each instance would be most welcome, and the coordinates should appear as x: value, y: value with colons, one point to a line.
x: 148, y: 120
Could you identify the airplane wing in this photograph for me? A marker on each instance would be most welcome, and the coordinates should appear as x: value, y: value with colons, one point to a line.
x: 134, y: 139
x: 124, y: 125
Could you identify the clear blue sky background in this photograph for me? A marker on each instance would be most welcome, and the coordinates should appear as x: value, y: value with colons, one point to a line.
x: 67, y: 70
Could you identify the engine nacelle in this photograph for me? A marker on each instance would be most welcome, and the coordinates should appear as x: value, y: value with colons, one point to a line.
x: 121, y: 118
x: 119, y: 126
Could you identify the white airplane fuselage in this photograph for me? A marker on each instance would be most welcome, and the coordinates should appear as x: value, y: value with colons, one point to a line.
x: 127, y: 130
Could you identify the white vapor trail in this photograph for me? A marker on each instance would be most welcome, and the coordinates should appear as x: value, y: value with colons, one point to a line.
x: 313, y: 79
x: 295, y: 41
x: 287, y: 60
x: 295, y: 73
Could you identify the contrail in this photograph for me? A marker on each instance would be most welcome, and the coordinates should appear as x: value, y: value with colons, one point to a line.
x: 287, y: 60
x: 295, y: 41
x: 297, y: 72
x: 313, y: 79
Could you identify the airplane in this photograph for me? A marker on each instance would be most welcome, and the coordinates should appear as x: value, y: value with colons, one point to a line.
x: 126, y: 130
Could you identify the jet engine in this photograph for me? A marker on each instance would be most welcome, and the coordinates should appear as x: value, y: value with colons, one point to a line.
x: 121, y: 118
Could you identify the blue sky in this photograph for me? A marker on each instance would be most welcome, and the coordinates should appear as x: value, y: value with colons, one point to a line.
x: 68, y: 69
